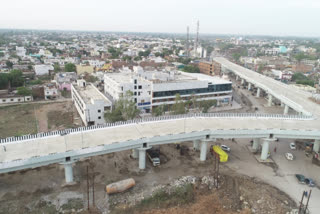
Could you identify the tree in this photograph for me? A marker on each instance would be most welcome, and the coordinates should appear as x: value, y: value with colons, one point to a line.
x: 56, y: 67
x: 191, y: 69
x: 4, y: 80
x: 178, y: 107
x: 90, y: 78
x: 69, y: 67
x: 137, y: 58
x: 15, y: 78
x: 9, y: 64
x: 159, y: 110
x: 1, y: 54
x: 24, y: 91
x: 205, y: 105
x: 125, y: 109
x: 236, y: 56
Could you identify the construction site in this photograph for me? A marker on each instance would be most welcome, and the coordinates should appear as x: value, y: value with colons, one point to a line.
x: 178, y: 182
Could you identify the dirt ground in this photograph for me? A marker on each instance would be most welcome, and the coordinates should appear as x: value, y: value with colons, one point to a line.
x: 42, y: 189
x: 17, y: 120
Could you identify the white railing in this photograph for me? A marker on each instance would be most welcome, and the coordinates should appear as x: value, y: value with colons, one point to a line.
x: 157, y: 119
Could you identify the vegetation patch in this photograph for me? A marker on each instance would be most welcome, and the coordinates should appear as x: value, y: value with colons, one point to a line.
x: 59, y: 118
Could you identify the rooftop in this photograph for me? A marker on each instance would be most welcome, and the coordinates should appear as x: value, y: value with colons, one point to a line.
x: 89, y: 93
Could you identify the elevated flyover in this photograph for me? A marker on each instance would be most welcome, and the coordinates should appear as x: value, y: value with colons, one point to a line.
x: 70, y: 145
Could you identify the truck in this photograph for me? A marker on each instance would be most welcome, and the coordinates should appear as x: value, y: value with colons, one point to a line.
x: 154, y: 156
x: 222, y: 154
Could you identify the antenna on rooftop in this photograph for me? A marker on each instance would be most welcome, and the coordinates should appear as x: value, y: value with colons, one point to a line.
x: 187, y: 43
x: 197, y: 40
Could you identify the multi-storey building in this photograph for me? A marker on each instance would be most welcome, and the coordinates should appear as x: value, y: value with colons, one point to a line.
x: 154, y: 88
x: 209, y: 68
x: 90, y: 103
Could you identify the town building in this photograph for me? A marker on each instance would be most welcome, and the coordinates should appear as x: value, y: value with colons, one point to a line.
x: 153, y: 88
x: 43, y: 69
x: 50, y: 91
x: 65, y: 79
x: 209, y: 68
x: 90, y: 103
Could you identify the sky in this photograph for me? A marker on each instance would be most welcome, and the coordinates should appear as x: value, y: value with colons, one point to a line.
x: 249, y: 17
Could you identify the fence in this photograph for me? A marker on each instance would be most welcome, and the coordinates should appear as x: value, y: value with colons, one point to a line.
x: 157, y: 119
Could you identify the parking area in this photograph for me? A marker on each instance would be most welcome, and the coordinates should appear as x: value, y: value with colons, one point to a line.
x: 282, y: 175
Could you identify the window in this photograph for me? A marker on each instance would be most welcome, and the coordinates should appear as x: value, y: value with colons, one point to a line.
x: 4, y: 101
x: 99, y: 110
x: 11, y: 99
x: 138, y: 93
x: 135, y: 87
x: 19, y: 100
x: 122, y: 88
x: 99, y: 118
x: 135, y: 93
x: 135, y: 81
x: 135, y: 100
x: 140, y: 86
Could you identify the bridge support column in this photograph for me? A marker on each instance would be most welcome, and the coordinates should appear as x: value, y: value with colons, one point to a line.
x: 265, y: 149
x: 142, y: 157
x: 196, y: 145
x: 135, y: 153
x: 242, y: 81
x: 270, y: 100
x: 249, y: 86
x: 282, y: 104
x: 203, y: 150
x: 316, y: 145
x: 258, y: 92
x: 68, y: 172
x: 256, y: 143
x: 286, y: 109
x: 237, y: 77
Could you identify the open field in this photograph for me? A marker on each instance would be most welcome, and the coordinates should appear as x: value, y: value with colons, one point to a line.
x: 21, y: 119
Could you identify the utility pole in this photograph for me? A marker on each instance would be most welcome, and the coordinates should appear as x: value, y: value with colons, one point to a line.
x: 88, y: 188
x: 305, y: 210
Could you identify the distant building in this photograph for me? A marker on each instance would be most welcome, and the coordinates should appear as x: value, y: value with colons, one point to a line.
x: 209, y: 68
x: 6, y: 98
x: 90, y: 103
x: 65, y: 79
x: 81, y: 69
x: 21, y: 51
x: 50, y: 91
x: 43, y: 69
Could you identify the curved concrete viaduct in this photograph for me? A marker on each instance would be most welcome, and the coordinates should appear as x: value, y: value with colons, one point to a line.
x: 70, y: 145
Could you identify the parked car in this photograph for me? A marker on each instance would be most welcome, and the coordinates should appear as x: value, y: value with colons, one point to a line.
x: 309, y: 182
x: 300, y: 178
x: 289, y: 156
x: 293, y: 146
x: 225, y: 148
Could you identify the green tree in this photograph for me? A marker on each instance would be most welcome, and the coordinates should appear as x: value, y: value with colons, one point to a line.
x: 236, y: 56
x: 15, y: 78
x: 1, y: 54
x: 69, y: 67
x: 56, y: 67
x: 9, y: 64
x: 159, y: 110
x: 178, y: 107
x: 137, y: 58
x: 191, y: 69
x: 205, y: 105
x: 299, y: 76
x: 24, y: 91
x: 125, y: 109
x: 4, y: 80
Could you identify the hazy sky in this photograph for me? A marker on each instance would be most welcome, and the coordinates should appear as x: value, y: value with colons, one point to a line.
x: 267, y: 17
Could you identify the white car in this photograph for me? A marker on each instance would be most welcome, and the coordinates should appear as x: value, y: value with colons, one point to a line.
x: 289, y: 156
x: 293, y: 146
x: 225, y: 148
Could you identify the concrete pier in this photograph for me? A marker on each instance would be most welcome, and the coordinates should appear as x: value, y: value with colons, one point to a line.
x: 249, y: 86
x: 286, y: 109
x: 316, y: 145
x: 269, y: 100
x: 258, y: 92
x: 68, y: 172
x: 203, y: 150
x: 142, y: 157
x: 265, y: 149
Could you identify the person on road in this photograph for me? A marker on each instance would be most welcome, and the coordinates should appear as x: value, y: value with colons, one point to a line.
x: 275, y: 150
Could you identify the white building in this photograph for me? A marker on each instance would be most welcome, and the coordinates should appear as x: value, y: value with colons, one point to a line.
x: 154, y: 88
x: 90, y: 103
x: 50, y: 91
x: 21, y: 51
x: 43, y: 69
x: 8, y: 99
